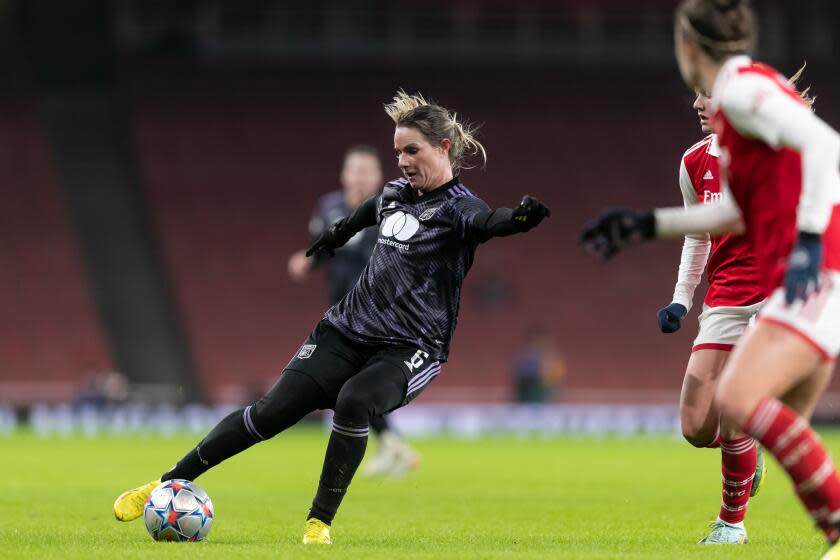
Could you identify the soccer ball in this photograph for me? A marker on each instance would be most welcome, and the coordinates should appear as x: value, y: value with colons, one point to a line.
x: 178, y: 510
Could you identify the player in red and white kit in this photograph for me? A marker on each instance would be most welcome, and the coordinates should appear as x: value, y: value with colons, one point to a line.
x: 781, y: 188
x: 735, y: 295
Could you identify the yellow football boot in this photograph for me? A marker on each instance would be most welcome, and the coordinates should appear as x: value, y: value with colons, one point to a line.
x: 316, y: 531
x: 129, y: 505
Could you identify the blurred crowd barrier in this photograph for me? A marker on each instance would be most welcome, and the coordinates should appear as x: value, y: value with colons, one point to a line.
x: 421, y: 420
x: 476, y: 420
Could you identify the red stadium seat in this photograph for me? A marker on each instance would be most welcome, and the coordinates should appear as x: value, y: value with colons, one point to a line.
x: 50, y: 335
x: 233, y: 160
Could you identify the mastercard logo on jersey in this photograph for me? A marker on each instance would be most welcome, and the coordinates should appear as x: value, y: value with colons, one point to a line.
x: 400, y: 226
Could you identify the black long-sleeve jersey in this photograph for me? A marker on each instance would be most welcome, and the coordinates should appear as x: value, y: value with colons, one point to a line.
x: 410, y: 290
x: 345, y: 267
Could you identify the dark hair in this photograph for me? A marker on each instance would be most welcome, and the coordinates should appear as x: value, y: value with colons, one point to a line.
x: 436, y: 123
x: 721, y: 27
x: 364, y: 149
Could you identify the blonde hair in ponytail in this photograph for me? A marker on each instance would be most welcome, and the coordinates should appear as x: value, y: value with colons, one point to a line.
x: 437, y: 123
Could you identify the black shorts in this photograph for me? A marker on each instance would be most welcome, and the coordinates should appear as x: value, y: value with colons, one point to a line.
x: 331, y: 359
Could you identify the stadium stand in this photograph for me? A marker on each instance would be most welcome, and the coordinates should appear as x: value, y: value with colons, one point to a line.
x: 50, y: 334
x: 232, y: 176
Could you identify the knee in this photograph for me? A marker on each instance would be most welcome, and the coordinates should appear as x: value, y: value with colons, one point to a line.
x: 698, y: 439
x: 696, y: 430
x: 353, y: 406
x: 697, y: 436
x: 261, y: 420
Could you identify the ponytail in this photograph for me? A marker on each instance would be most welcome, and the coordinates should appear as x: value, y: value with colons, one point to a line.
x: 436, y: 124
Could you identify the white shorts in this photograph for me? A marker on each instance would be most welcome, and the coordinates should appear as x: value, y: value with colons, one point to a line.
x: 816, y: 320
x: 721, y: 327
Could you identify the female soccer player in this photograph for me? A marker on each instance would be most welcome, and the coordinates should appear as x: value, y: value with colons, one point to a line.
x: 735, y: 295
x: 382, y: 344
x: 780, y: 167
x: 361, y: 178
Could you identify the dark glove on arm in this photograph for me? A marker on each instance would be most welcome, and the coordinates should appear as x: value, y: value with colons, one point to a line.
x: 615, y: 229
x: 342, y: 230
x: 507, y: 221
x: 803, y: 273
x: 669, y: 317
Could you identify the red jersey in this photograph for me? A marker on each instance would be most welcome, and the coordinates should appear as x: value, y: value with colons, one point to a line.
x: 734, y: 278
x: 765, y: 180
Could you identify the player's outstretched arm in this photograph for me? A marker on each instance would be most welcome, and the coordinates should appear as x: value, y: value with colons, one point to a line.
x: 342, y: 230
x: 616, y: 228
x: 507, y: 221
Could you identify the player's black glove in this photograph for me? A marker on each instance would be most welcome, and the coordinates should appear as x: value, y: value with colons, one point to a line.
x: 529, y: 213
x: 614, y: 229
x: 333, y: 237
x: 669, y: 317
x: 803, y: 273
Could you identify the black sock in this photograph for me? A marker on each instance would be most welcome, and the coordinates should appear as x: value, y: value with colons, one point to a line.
x: 234, y: 434
x: 345, y: 451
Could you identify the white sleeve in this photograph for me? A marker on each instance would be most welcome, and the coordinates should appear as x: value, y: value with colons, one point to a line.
x: 715, y: 219
x: 695, y: 251
x: 758, y: 108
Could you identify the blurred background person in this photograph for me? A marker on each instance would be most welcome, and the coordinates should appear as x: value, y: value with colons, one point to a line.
x: 361, y: 178
x: 539, y: 369
x: 102, y: 389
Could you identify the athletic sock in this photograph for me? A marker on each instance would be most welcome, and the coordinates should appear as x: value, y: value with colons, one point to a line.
x: 234, y: 434
x: 800, y: 452
x: 345, y: 451
x: 738, y: 458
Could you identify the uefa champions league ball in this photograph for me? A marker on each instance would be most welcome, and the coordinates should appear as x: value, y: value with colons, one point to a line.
x: 178, y: 510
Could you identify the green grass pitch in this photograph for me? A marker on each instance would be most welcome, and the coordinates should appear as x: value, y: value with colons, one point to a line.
x: 500, y: 497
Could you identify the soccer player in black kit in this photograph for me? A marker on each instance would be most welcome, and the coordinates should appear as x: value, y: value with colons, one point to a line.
x: 361, y: 178
x: 382, y: 344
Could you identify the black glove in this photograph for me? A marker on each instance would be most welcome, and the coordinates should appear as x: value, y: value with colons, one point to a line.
x: 803, y: 272
x: 529, y: 213
x: 669, y: 317
x: 333, y: 237
x: 614, y: 229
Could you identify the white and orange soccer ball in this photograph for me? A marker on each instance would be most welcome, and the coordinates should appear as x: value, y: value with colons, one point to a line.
x: 178, y: 510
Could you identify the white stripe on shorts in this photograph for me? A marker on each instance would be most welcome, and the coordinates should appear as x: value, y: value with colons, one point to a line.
x: 422, y: 379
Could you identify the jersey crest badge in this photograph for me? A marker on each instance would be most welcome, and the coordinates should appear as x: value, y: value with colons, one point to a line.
x: 306, y: 351
x: 427, y: 214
